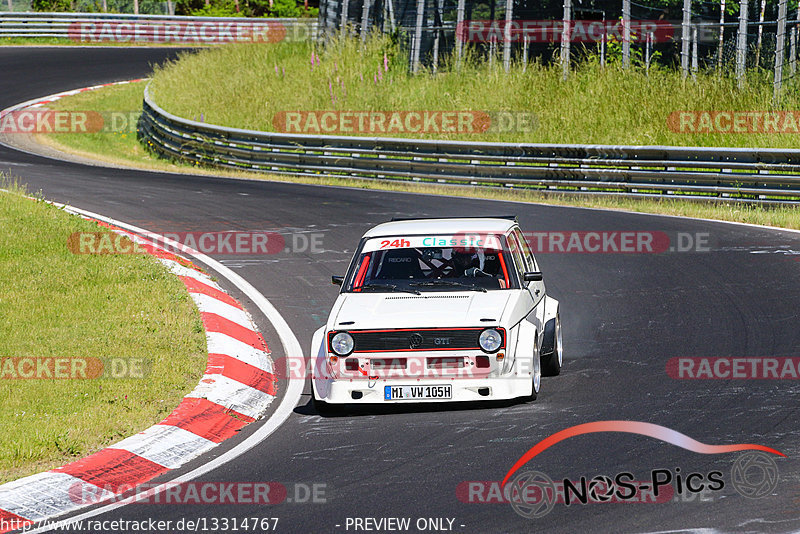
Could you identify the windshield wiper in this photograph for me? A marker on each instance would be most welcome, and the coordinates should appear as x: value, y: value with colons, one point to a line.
x: 451, y: 283
x: 390, y: 287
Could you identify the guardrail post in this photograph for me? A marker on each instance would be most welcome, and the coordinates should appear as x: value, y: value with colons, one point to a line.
x: 507, y: 35
x: 626, y: 34
x: 760, y: 32
x: 685, y: 37
x: 365, y: 20
x: 780, y: 44
x: 344, y: 14
x: 793, y: 50
x: 417, y: 43
x: 525, y: 46
x: 694, y: 52
x: 461, y: 31
x: 390, y: 14
x: 438, y: 23
x: 603, y: 42
x: 741, y: 43
x: 793, y: 45
x: 720, y: 44
x: 566, y: 37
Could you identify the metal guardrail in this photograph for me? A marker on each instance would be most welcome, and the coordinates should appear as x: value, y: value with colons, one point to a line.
x: 112, y: 27
x: 761, y: 175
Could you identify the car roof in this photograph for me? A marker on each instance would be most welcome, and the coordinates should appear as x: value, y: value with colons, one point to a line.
x: 470, y: 225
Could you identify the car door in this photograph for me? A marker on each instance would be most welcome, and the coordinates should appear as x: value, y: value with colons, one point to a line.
x: 527, y: 263
x: 523, y: 302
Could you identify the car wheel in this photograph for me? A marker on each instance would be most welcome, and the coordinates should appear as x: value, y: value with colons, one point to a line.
x: 551, y: 363
x: 536, y: 377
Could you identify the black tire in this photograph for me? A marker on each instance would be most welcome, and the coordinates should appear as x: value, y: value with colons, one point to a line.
x: 534, y: 394
x: 552, y: 353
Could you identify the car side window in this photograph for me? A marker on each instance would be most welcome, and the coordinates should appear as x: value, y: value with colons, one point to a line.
x: 526, y: 251
x: 516, y: 253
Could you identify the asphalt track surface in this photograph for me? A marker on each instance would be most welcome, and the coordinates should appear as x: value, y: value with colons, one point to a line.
x: 624, y: 316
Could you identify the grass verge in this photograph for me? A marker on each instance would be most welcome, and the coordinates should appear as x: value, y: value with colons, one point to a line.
x: 122, y: 148
x: 57, y: 304
x: 595, y: 105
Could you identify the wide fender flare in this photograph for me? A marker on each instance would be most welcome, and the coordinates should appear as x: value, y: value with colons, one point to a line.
x: 549, y: 334
x: 524, y: 353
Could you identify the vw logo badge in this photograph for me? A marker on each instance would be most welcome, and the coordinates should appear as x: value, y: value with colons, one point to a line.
x: 415, y: 340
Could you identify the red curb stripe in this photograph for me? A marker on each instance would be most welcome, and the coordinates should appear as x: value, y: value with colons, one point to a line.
x: 215, y: 364
x: 12, y: 521
x: 207, y: 419
x: 216, y: 323
x: 113, y: 468
x: 196, y: 286
x: 242, y: 372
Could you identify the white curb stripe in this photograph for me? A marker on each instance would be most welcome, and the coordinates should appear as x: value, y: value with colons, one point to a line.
x: 219, y: 343
x: 232, y: 394
x: 166, y: 445
x: 208, y: 304
x: 46, y: 494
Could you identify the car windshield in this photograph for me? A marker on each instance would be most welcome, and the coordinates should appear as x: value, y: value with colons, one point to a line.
x: 432, y: 263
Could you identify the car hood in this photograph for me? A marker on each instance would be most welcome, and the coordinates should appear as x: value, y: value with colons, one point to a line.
x: 429, y: 310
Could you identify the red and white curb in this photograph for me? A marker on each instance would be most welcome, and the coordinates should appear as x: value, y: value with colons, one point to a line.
x: 237, y: 388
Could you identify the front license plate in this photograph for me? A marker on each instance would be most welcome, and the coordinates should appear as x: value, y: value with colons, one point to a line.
x: 417, y: 392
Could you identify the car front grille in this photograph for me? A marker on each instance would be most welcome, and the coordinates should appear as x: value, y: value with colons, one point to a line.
x: 417, y: 339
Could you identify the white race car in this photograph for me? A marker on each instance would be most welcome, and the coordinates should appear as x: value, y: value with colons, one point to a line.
x: 438, y: 310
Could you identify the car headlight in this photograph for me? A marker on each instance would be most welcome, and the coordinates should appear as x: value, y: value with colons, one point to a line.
x: 490, y: 340
x: 342, y: 344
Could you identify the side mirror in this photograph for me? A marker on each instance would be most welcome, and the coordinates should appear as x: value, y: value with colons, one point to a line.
x: 532, y: 276
x: 337, y: 280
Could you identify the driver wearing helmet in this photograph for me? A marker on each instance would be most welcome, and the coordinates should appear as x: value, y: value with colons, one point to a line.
x: 467, y: 264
